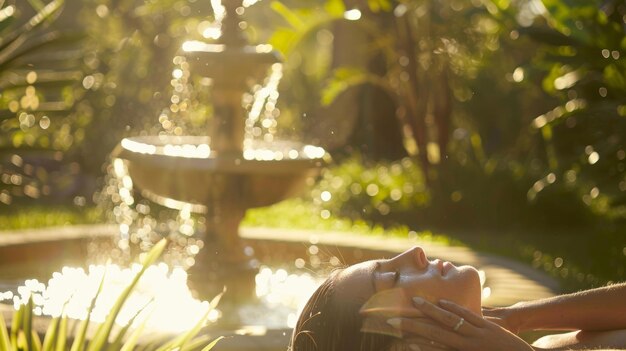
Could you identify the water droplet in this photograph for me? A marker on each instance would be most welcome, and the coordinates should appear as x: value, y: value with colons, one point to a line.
x: 372, y: 189
x: 31, y: 77
x: 326, y: 196
x: 593, y: 158
x: 299, y: 263
x: 518, y: 74
x: 558, y: 262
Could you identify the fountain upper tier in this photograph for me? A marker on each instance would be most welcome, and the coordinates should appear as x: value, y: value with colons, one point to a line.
x: 228, y: 63
x: 184, y: 168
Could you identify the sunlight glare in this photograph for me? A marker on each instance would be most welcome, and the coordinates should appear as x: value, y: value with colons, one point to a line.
x: 194, y: 45
x: 138, y: 147
x: 352, y: 15
x: 248, y: 3
x: 218, y: 9
x: 282, y: 292
x: 171, y: 306
x: 486, y: 293
x: 212, y: 32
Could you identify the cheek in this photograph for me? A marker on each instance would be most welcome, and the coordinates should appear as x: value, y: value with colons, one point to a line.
x: 466, y: 290
x: 428, y: 288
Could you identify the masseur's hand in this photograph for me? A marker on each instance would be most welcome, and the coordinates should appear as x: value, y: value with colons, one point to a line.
x: 459, y: 328
x: 504, y: 317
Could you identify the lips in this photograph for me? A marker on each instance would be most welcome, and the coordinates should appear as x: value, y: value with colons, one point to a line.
x: 446, y: 267
x: 438, y: 264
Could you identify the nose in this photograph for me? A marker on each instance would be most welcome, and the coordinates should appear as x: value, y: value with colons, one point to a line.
x: 412, y: 257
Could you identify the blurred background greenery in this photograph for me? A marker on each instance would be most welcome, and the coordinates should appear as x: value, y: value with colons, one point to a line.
x: 498, y: 123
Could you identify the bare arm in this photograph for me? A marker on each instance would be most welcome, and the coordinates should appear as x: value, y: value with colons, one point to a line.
x: 597, y: 309
x: 461, y: 329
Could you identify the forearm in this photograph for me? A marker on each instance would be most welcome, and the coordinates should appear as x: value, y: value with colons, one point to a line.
x: 570, y: 349
x: 579, y: 340
x: 596, y: 309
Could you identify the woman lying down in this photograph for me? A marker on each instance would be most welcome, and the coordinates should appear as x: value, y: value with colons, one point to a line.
x: 412, y: 303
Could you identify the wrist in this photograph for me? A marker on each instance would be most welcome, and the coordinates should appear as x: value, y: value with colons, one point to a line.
x: 517, y: 318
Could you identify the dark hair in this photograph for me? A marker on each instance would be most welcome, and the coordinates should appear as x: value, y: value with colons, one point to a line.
x: 326, y: 324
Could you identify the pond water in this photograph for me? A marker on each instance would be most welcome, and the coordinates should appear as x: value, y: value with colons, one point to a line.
x: 161, y: 296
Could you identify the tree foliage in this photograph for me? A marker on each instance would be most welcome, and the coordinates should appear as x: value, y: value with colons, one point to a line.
x: 41, y: 117
x: 581, y: 57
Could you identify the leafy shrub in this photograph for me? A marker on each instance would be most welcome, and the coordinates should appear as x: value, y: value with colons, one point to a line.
x: 580, y: 58
x: 372, y: 191
x: 40, y: 114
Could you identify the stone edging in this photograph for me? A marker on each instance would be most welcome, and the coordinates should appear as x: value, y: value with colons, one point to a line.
x: 510, y: 281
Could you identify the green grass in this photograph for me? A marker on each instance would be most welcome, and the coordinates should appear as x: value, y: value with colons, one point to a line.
x: 297, y: 213
x: 26, y: 217
x: 578, y: 259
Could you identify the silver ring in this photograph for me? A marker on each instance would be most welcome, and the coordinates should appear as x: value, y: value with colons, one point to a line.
x: 459, y: 324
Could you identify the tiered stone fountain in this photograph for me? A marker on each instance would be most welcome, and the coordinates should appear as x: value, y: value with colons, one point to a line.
x: 217, y: 173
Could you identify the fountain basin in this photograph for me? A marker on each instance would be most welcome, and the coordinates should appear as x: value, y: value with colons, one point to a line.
x: 174, y: 169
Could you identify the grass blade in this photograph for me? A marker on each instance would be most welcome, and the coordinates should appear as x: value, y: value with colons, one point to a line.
x: 36, y: 341
x: 79, y: 340
x: 103, y: 332
x: 27, y: 324
x: 62, y: 334
x: 5, y: 341
x: 51, y: 334
x: 15, y: 326
x: 180, y: 341
x: 196, y: 343
x: 22, y: 344
x: 212, y: 344
x: 120, y: 336
x: 129, y: 345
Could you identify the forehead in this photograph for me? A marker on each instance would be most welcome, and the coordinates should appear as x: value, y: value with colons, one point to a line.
x: 355, y: 282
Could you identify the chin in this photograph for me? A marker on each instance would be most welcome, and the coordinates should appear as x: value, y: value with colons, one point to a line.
x: 473, y: 293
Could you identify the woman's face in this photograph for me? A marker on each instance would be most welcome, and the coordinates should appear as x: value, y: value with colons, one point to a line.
x: 415, y: 275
